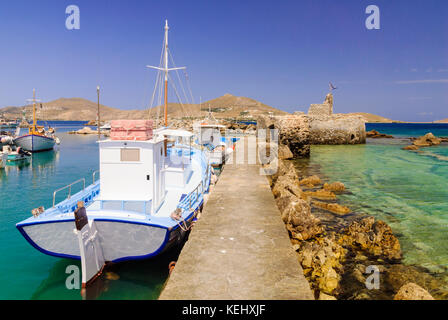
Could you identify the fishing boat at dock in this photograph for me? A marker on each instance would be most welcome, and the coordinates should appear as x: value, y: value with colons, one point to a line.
x: 152, y: 184
x: 217, y: 146
x: 38, y: 138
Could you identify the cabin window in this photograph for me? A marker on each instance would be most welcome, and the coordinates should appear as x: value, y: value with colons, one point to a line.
x: 130, y: 155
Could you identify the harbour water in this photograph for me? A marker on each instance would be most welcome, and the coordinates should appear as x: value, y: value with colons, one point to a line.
x: 26, y: 273
x: 408, y: 190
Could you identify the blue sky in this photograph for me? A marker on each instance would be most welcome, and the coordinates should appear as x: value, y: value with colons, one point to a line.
x: 282, y: 53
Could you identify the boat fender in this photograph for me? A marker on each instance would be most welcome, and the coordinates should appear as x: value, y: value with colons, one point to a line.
x: 38, y: 211
x: 171, y: 266
x: 92, y: 258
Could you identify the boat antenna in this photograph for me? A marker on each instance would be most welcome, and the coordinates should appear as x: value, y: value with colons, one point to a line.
x: 166, y: 70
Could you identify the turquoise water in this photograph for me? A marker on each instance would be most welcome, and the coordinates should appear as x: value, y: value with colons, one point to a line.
x: 406, y: 189
x: 26, y: 273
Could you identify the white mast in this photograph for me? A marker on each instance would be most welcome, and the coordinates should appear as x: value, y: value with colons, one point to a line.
x: 166, y: 70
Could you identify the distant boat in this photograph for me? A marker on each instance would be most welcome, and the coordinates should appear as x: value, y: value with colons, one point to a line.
x: 17, y: 156
x: 38, y: 139
x: 8, y: 125
x: 107, y: 126
x: 208, y: 134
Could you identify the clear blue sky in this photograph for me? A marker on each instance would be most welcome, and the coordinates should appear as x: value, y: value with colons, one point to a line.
x: 282, y: 53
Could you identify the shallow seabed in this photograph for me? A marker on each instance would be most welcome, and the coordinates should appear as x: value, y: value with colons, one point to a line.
x: 408, y: 190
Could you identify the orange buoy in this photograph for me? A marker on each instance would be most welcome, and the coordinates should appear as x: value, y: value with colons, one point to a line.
x: 171, y: 266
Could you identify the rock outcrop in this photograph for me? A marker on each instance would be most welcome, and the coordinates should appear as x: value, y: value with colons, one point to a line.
x: 310, y: 181
x: 411, y: 291
x: 321, y: 262
x: 376, y: 135
x: 293, y: 132
x: 427, y: 140
x: 334, y: 187
x: 373, y: 237
x: 332, y: 207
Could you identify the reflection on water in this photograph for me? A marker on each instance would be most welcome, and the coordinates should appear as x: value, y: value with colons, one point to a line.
x: 143, y: 279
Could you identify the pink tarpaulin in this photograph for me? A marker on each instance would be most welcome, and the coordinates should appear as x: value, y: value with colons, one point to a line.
x: 139, y: 130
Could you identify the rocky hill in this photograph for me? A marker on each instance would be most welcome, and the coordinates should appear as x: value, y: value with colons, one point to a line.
x: 227, y: 106
x: 373, y: 118
x: 442, y: 121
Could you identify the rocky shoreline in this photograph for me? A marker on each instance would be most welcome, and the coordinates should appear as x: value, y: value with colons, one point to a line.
x: 339, y: 249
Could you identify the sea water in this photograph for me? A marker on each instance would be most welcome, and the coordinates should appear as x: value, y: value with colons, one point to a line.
x: 408, y: 190
x: 26, y: 273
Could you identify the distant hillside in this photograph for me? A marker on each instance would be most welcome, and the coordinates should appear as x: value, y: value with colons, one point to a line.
x: 442, y: 121
x: 84, y: 110
x: 77, y: 109
x: 373, y: 118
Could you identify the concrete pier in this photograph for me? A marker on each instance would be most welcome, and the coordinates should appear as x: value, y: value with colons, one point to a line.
x: 239, y: 249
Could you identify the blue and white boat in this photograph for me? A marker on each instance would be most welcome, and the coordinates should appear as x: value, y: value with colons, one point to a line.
x: 148, y: 194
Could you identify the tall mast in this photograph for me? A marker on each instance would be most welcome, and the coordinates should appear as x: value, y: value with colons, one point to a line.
x: 166, y: 72
x: 165, y: 69
x: 32, y: 128
x: 34, y: 109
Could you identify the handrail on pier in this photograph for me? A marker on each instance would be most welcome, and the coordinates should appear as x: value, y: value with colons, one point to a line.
x: 69, y: 186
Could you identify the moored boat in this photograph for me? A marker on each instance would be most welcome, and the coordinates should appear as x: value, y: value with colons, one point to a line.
x: 146, y: 199
x: 38, y: 138
x: 16, y: 156
x: 209, y: 136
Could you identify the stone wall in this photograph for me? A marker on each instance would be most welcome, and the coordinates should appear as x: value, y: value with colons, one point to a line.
x: 337, y: 129
x: 293, y: 132
x: 329, y: 128
x: 322, y: 110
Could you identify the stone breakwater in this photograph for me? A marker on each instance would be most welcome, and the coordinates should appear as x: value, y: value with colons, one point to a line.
x: 320, y: 126
x: 338, y: 248
x: 329, y: 128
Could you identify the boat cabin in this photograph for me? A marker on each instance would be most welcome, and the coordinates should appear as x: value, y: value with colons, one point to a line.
x: 137, y: 165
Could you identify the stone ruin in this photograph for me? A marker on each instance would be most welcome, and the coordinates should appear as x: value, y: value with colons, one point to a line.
x: 322, y: 110
x: 329, y: 128
x: 320, y: 126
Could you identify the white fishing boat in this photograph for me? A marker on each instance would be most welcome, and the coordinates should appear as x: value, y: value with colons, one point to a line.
x: 209, y: 135
x: 107, y: 126
x: 152, y: 185
x: 38, y: 138
x: 8, y: 124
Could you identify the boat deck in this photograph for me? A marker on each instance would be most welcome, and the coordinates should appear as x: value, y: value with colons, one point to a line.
x: 239, y: 249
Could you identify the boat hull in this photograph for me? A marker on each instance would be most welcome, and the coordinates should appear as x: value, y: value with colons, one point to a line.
x: 120, y: 240
x: 35, y: 143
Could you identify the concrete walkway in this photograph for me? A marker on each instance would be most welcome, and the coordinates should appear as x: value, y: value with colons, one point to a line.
x: 239, y: 249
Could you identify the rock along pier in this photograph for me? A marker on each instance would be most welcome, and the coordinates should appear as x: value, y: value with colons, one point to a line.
x: 240, y: 248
